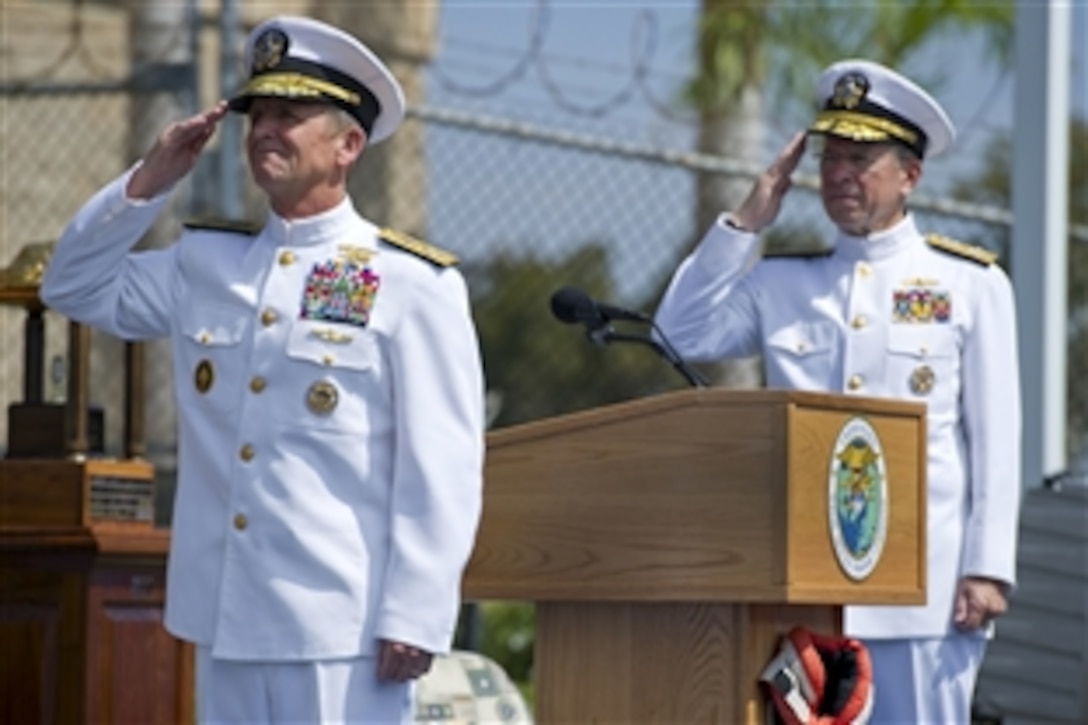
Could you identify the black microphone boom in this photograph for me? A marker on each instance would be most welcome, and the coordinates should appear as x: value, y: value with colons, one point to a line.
x: 573, y: 306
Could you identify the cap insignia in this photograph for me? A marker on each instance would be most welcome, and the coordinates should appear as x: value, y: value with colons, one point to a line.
x: 269, y: 49
x: 431, y: 253
x: 850, y: 90
x: 979, y: 255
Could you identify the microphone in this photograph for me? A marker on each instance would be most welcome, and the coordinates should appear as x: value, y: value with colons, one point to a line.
x: 573, y: 306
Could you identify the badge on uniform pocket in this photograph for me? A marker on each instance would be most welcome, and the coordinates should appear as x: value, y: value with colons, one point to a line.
x: 321, y: 397
x: 204, y: 376
x: 922, y: 380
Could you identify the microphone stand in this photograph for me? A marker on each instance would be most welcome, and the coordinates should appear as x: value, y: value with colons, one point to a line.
x: 604, y: 334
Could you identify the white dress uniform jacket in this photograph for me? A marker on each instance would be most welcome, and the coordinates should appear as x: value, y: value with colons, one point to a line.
x: 845, y: 323
x: 330, y: 445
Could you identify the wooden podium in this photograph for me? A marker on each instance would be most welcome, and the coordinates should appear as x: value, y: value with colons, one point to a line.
x: 669, y: 542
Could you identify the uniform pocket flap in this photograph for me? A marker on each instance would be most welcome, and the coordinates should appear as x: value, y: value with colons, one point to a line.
x: 332, y: 345
x: 213, y: 325
x: 921, y: 341
x: 803, y: 338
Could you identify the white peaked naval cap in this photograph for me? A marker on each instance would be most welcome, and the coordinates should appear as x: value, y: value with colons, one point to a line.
x: 864, y: 101
x: 305, y: 59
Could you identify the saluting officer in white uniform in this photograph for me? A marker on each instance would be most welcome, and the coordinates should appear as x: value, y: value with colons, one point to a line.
x: 889, y: 312
x: 329, y: 392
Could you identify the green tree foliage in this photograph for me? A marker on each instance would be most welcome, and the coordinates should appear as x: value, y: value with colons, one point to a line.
x: 507, y: 637
x: 539, y: 367
x: 993, y: 185
x: 781, y: 45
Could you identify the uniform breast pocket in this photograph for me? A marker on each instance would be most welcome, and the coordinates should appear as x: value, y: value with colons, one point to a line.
x: 338, y: 370
x: 337, y: 347
x: 801, y: 355
x: 923, y: 363
x: 210, y: 342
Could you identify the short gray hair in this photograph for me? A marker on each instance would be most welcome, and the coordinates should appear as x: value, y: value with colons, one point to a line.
x: 342, y: 119
x: 906, y: 154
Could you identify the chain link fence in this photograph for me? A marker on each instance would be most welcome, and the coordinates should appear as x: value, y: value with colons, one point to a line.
x: 528, y: 209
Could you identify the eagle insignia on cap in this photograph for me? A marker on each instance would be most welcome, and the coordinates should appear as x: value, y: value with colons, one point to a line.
x: 269, y: 49
x: 850, y: 90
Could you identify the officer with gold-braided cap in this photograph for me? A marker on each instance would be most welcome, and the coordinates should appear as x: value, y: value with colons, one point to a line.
x: 865, y: 102
x: 303, y: 59
x: 887, y: 311
x: 329, y: 393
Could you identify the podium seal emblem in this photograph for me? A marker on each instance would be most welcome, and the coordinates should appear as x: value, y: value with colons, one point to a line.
x: 858, y: 499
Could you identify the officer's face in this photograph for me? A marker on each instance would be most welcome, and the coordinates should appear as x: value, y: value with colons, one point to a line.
x: 865, y: 185
x: 296, y: 147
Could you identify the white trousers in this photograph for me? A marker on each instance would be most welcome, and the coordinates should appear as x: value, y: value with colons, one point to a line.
x: 925, y: 681
x: 327, y: 691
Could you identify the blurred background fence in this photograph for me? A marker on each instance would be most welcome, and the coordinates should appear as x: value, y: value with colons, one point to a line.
x: 530, y: 206
x: 528, y: 209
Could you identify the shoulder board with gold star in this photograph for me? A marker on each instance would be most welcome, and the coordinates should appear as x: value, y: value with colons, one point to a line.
x: 979, y: 255
x: 233, y: 226
x: 431, y: 253
x: 797, y: 253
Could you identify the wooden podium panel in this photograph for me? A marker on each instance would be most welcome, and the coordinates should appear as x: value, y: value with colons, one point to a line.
x: 699, y: 496
x: 82, y: 593
x: 669, y: 542
x: 814, y: 575
x: 660, y: 662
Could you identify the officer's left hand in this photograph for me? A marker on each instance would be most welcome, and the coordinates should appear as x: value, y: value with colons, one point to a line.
x: 978, y: 601
x: 399, y: 662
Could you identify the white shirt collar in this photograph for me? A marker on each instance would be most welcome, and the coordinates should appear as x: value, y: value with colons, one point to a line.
x: 881, y: 245
x: 339, y: 223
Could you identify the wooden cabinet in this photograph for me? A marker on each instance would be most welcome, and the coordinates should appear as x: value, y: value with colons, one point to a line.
x: 81, y: 604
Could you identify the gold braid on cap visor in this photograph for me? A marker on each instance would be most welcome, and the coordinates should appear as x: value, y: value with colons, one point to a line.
x: 296, y: 85
x: 862, y: 127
